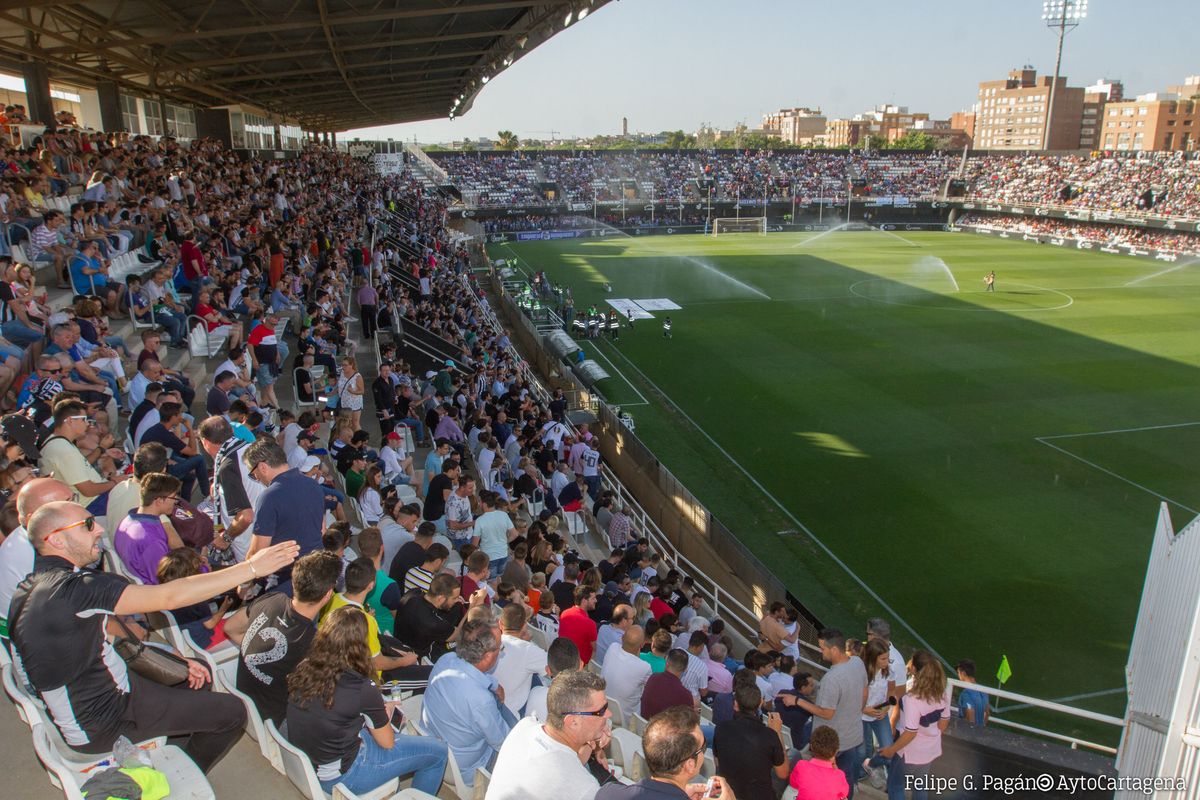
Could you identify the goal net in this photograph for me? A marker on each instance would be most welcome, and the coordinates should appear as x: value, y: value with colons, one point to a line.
x: 722, y: 225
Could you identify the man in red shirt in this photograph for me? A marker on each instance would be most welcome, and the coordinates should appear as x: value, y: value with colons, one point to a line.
x: 665, y: 690
x: 195, y: 269
x: 478, y: 572
x: 576, y: 625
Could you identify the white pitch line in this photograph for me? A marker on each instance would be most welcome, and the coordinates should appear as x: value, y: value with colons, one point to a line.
x: 1120, y: 430
x: 628, y: 382
x: 1122, y: 478
x: 909, y: 242
x: 862, y: 584
x: 1068, y: 698
x: 1166, y: 271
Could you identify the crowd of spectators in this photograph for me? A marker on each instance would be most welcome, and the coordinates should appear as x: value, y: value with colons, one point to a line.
x: 1100, y: 234
x: 1161, y: 184
x: 467, y: 579
x: 726, y: 175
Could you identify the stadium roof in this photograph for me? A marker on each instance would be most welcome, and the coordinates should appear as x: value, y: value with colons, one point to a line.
x: 327, y: 64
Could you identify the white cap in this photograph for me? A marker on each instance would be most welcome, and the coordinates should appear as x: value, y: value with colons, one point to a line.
x: 310, y: 463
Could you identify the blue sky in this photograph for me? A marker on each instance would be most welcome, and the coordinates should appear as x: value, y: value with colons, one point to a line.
x: 668, y: 64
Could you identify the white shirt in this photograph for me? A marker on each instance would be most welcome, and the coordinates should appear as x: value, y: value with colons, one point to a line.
x: 151, y: 419
x: 519, y: 662
x: 289, y: 436
x: 535, y: 706
x: 484, y: 462
x: 781, y: 682
x: 533, y: 766
x: 16, y: 561
x: 394, y: 537
x: 607, y: 636
x: 393, y: 459
x: 695, y: 677
x: 625, y: 676
x: 766, y: 687
x: 295, y: 456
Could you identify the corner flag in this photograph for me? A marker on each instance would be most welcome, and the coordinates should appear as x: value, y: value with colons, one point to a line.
x: 1005, y: 671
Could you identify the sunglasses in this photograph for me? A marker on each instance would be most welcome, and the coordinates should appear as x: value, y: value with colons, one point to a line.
x: 597, y: 713
x: 89, y: 525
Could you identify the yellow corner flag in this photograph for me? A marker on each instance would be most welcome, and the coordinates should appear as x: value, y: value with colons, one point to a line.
x: 1005, y: 671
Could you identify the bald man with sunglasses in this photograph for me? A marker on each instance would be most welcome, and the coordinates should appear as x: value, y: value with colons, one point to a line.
x: 57, y: 623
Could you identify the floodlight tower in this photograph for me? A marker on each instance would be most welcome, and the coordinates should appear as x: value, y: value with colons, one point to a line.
x: 1064, y: 15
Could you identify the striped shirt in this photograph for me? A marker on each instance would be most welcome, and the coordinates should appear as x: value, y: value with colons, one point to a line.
x: 417, y: 578
x: 41, y: 239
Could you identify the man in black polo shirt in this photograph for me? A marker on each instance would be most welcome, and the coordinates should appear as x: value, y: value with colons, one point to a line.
x: 58, y: 621
x: 673, y: 747
x: 747, y: 751
x: 217, y: 402
x: 411, y: 554
x: 275, y: 632
x: 428, y: 621
x: 440, y: 488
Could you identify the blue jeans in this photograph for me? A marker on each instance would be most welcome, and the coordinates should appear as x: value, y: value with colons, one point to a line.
x: 497, y: 565
x: 191, y: 470
x: 881, y: 730
x: 898, y: 778
x: 333, y: 497
x: 850, y: 762
x: 707, y: 731
x: 414, y: 423
x: 18, y: 333
x: 374, y: 766
x: 593, y: 486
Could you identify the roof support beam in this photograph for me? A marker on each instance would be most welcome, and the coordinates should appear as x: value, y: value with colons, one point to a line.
x: 329, y: 20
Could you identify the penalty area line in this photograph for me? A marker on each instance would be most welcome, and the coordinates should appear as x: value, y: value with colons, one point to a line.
x: 1119, y: 430
x: 861, y: 583
x: 1119, y: 477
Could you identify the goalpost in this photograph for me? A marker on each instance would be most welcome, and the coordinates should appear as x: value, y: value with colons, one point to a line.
x: 739, y: 225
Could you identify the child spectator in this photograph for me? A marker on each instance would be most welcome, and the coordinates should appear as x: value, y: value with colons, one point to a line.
x: 206, y: 627
x: 819, y: 778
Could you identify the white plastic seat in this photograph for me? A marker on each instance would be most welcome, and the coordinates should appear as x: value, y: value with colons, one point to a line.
x: 618, y: 713
x: 220, y: 662
x: 637, y: 723
x: 255, y: 728
x: 186, y: 780
x: 626, y: 749
x: 538, y: 637
x: 455, y: 780
x: 28, y: 708
x: 299, y: 770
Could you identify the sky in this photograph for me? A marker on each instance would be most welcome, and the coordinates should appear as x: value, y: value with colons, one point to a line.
x: 675, y: 64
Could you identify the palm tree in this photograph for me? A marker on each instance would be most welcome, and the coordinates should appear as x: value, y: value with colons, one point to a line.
x: 507, y: 140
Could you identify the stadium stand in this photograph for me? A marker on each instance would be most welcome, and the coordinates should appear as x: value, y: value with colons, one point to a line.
x: 242, y: 241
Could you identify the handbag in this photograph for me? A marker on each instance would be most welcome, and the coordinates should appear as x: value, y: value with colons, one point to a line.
x: 151, y: 663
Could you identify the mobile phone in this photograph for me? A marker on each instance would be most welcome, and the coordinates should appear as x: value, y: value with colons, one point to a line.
x: 709, y: 787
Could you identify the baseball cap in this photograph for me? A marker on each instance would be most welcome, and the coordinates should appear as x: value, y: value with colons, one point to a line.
x: 20, y: 430
x: 449, y: 363
x: 310, y: 463
x: 430, y: 374
x: 306, y: 436
x: 394, y: 437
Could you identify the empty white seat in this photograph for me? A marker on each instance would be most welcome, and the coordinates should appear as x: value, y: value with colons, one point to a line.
x: 299, y: 770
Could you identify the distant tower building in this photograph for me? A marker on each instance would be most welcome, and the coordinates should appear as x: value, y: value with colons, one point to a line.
x: 624, y: 126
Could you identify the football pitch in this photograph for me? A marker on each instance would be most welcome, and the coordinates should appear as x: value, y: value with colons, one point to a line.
x: 859, y: 410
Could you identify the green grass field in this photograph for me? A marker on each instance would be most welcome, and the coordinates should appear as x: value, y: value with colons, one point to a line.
x: 989, y: 464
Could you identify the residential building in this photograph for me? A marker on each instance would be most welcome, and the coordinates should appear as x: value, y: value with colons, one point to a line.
x: 1012, y: 113
x: 1158, y: 121
x: 796, y: 125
